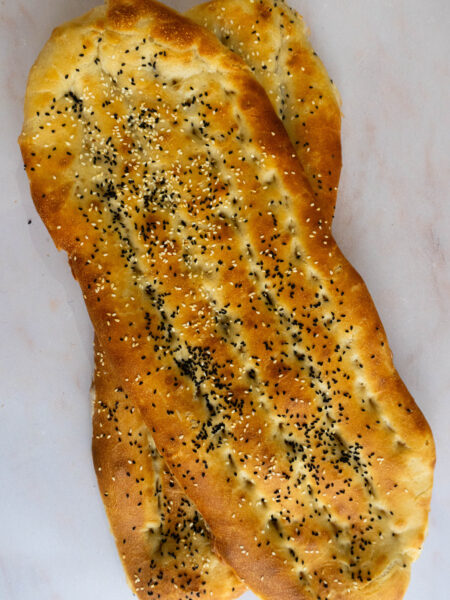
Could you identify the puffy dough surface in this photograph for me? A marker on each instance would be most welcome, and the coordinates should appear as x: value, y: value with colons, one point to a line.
x: 163, y: 541
x: 273, y: 40
x: 250, y: 345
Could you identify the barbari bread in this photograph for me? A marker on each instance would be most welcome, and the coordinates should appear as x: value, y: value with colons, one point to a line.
x: 248, y: 342
x: 171, y: 548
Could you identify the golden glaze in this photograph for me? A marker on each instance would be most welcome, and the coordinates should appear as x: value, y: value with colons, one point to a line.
x: 172, y: 553
x: 250, y: 345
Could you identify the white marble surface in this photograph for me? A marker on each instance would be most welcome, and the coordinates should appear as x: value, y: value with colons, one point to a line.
x: 388, y: 59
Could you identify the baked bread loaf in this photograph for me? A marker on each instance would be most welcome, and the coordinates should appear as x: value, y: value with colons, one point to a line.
x: 163, y: 542
x: 218, y: 294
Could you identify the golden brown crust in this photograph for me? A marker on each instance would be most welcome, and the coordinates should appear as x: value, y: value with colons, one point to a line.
x: 162, y: 540
x: 273, y: 40
x: 251, y: 346
x: 112, y: 410
x: 111, y: 406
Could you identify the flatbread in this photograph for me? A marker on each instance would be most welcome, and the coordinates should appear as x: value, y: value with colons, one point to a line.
x: 250, y: 345
x: 173, y: 555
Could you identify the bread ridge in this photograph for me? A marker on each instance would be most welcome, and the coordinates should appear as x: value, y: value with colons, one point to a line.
x: 261, y: 123
x: 111, y: 408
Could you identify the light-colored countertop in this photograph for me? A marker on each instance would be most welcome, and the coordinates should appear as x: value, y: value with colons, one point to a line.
x: 389, y: 59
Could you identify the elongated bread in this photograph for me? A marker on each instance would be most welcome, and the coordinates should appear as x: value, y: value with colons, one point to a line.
x: 250, y: 345
x: 173, y: 555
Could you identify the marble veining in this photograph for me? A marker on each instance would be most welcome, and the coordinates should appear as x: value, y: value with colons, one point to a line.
x: 389, y: 61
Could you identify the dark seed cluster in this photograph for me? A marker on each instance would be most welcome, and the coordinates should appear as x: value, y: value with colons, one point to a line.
x: 168, y: 528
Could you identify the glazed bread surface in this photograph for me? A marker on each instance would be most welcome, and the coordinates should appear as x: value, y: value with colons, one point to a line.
x: 221, y: 300
x: 162, y: 540
x: 273, y: 39
x: 148, y: 512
